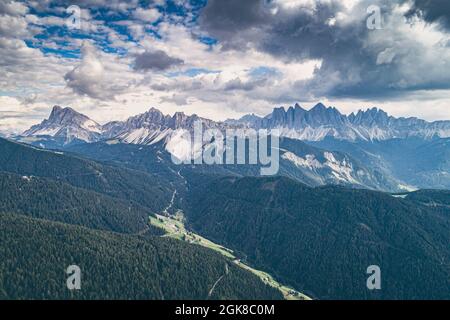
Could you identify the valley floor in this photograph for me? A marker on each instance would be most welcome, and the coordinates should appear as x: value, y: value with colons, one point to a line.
x: 175, y: 228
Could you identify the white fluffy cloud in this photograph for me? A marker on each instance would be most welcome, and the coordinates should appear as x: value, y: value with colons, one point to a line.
x: 13, y: 8
x: 147, y: 15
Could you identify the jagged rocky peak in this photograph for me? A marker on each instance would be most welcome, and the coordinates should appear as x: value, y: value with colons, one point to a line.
x: 321, y: 115
x: 152, y: 115
x: 372, y: 116
x: 153, y: 126
x: 320, y: 107
x: 276, y: 119
x: 250, y: 117
x: 60, y: 117
x: 180, y: 119
x: 68, y: 125
x: 59, y: 114
x: 151, y: 118
x: 296, y: 110
x: 183, y: 121
x: 69, y: 116
x: 154, y: 110
x: 155, y: 118
x: 279, y: 111
x: 56, y: 110
x: 295, y: 117
x: 248, y: 120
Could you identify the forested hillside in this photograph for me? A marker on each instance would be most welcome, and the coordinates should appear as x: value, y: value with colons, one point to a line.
x: 321, y: 240
x: 59, y: 201
x: 35, y: 254
x: 431, y: 197
x: 78, y: 203
x: 144, y: 188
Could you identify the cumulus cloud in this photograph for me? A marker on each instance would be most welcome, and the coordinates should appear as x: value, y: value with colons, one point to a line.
x: 155, y: 60
x: 177, y: 99
x: 13, y: 26
x: 95, y: 79
x: 147, y: 15
x: 238, y: 84
x: 88, y: 77
x: 13, y: 8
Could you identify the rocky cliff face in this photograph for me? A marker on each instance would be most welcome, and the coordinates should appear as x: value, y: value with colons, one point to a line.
x: 67, y: 124
x: 321, y: 122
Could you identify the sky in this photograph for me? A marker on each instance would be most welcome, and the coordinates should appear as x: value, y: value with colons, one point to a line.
x: 112, y: 59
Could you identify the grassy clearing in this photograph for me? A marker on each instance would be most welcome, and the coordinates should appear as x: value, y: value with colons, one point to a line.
x: 174, y: 228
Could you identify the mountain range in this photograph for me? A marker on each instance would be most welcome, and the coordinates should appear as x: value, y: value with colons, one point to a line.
x: 316, y: 124
x: 321, y: 122
x: 364, y: 149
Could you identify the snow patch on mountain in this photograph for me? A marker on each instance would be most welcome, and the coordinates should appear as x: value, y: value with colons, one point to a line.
x: 407, y: 188
x: 341, y: 170
x: 309, y: 162
x: 68, y: 125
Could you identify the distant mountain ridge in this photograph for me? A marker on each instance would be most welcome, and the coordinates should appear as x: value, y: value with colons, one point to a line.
x: 317, y: 124
x: 321, y: 122
x: 153, y: 126
x: 67, y: 124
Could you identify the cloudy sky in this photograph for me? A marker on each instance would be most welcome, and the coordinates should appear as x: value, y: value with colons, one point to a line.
x: 111, y: 59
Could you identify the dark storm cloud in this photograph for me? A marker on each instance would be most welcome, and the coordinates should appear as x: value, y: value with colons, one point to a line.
x: 155, y: 60
x: 238, y: 84
x: 226, y: 19
x: 353, y: 64
x: 294, y: 33
x: 432, y: 11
